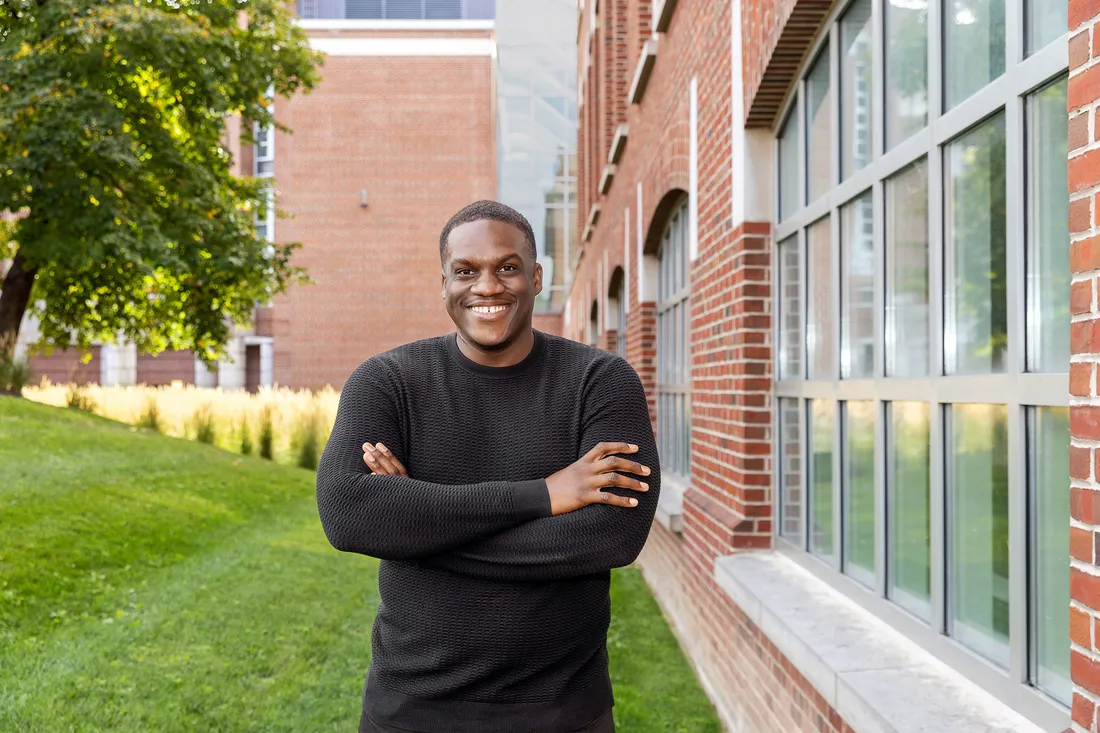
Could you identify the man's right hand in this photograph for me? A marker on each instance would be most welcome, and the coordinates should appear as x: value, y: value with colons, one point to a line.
x: 579, y: 484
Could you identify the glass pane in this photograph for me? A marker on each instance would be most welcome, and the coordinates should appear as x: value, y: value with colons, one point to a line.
x: 907, y: 272
x: 820, y: 327
x: 790, y: 471
x: 976, y: 318
x: 821, y: 488
x: 906, y: 32
x: 908, y: 530
x: 857, y: 262
x: 1049, y: 463
x: 788, y: 166
x: 1048, y: 231
x: 1046, y: 21
x: 978, y: 541
x: 819, y: 127
x: 790, y: 310
x: 859, y: 491
x: 855, y: 85
x: 974, y: 46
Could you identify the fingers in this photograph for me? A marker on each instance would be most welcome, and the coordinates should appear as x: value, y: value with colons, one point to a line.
x: 601, y: 450
x: 606, y: 497
x: 381, y: 461
x: 616, y: 463
x: 620, y: 481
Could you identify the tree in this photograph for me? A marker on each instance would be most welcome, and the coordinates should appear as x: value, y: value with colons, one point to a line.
x: 129, y: 222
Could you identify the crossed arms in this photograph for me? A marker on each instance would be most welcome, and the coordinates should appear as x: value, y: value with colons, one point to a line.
x: 561, y: 527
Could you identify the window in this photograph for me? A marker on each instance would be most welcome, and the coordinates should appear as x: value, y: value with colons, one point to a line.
x: 921, y: 323
x: 855, y: 88
x: 819, y: 129
x: 906, y: 51
x: 673, y: 347
x: 790, y: 310
x: 594, y: 325
x: 397, y: 9
x: 857, y: 261
x: 265, y: 168
x: 618, y: 305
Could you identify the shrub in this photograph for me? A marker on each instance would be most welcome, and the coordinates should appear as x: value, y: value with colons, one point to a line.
x: 202, y: 423
x: 307, y: 440
x: 150, y: 416
x: 78, y: 398
x: 267, y: 434
x: 246, y: 437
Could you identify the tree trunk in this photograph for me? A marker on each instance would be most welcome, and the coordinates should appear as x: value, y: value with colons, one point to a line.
x: 14, y: 297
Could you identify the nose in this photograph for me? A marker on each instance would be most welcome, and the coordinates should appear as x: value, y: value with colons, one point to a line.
x: 488, y: 284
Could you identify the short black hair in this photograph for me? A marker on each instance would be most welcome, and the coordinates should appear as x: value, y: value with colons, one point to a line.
x: 494, y: 211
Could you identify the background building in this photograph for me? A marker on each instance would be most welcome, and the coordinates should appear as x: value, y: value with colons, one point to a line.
x: 835, y: 237
x: 423, y: 107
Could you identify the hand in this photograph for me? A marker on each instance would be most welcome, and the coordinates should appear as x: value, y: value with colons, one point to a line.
x: 381, y: 462
x: 579, y: 484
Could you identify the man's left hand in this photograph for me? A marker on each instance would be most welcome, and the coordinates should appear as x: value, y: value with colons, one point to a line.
x: 381, y: 462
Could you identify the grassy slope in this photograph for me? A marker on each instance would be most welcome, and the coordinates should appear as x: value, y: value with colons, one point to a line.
x: 151, y: 584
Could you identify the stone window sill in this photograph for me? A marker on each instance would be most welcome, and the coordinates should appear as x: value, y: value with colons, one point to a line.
x: 670, y: 504
x: 877, y: 680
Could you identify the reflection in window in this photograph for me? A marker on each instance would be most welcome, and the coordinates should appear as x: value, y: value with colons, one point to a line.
x: 821, y: 477
x: 855, y: 87
x: 820, y: 351
x: 1048, y: 230
x: 906, y: 69
x: 858, y: 483
x: 790, y: 310
x: 977, y: 310
x: 1046, y: 21
x: 908, y: 494
x: 789, y: 200
x: 974, y: 46
x: 907, y: 272
x: 1048, y: 480
x: 978, y: 598
x: 857, y: 262
x: 819, y: 127
x: 790, y: 471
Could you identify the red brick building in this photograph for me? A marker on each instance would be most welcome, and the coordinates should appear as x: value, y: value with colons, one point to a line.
x: 832, y: 239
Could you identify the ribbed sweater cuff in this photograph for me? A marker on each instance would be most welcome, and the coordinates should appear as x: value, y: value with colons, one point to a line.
x: 530, y: 499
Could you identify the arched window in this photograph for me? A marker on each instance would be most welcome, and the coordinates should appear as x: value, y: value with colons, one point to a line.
x: 922, y: 273
x: 674, y: 346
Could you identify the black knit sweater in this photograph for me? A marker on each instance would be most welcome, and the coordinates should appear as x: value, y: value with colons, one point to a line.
x: 494, y: 613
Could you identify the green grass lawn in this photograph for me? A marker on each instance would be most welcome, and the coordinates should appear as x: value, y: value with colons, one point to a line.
x: 153, y: 584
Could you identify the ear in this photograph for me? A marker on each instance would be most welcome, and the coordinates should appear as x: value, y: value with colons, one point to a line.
x: 443, y: 284
x: 538, y: 278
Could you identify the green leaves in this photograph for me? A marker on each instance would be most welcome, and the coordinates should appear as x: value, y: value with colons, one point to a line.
x: 112, y: 129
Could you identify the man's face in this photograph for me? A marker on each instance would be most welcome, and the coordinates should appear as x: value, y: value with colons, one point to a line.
x: 490, y: 282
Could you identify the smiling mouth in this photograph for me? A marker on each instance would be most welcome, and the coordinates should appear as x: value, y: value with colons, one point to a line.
x: 489, y: 309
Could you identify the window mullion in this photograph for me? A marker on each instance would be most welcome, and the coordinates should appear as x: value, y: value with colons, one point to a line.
x: 1017, y: 544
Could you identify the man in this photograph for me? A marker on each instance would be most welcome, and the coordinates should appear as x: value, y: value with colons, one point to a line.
x: 499, y: 474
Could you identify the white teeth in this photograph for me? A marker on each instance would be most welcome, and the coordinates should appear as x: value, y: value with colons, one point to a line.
x: 488, y: 308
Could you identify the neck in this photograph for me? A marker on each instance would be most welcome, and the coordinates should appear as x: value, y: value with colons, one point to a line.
x: 509, y: 354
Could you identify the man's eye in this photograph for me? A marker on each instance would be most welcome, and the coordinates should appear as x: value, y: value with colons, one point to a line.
x: 509, y: 268
x: 464, y: 273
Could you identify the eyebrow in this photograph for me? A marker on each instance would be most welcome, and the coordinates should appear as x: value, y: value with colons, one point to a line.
x: 468, y: 263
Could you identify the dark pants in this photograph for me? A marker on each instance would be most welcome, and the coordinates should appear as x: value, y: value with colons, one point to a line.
x: 605, y: 724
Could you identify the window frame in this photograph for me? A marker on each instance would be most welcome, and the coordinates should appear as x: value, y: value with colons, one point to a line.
x: 1016, y: 388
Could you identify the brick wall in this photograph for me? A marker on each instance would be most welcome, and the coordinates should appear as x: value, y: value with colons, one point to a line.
x: 165, y: 368
x: 1084, y: 225
x: 728, y: 506
x: 417, y: 134
x: 65, y: 365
